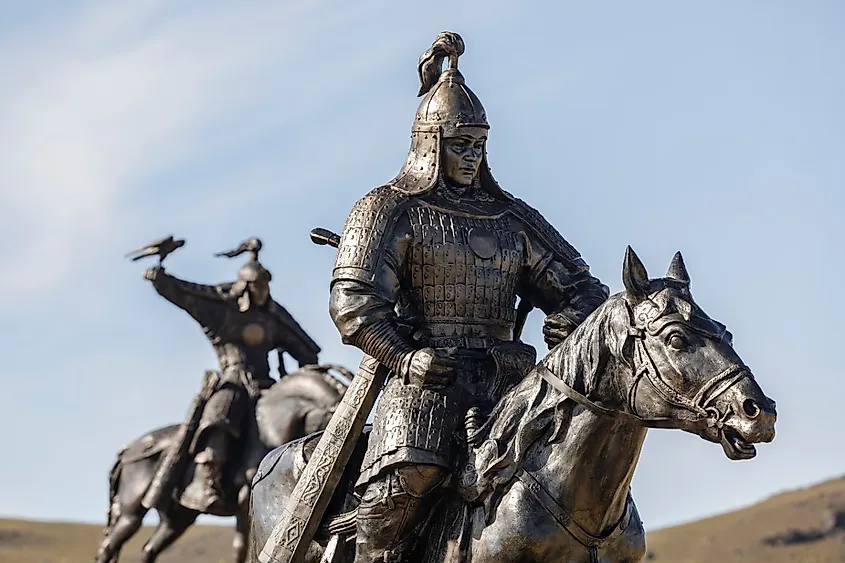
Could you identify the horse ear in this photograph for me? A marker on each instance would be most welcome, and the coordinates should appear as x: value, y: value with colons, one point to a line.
x: 677, y: 269
x: 634, y: 275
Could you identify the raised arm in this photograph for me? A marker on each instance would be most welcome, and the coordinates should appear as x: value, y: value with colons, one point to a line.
x: 205, y: 303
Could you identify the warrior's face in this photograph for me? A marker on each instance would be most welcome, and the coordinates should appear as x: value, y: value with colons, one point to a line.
x: 462, y: 155
x: 259, y: 292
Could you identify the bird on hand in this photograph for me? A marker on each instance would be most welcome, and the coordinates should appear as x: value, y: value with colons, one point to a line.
x: 161, y: 248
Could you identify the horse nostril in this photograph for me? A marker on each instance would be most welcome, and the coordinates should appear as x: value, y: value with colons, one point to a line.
x: 751, y: 408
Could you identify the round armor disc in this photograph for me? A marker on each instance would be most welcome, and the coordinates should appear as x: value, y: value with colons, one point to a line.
x: 483, y: 243
x: 253, y: 334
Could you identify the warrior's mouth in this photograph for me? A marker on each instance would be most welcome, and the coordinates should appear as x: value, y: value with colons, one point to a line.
x: 735, y: 446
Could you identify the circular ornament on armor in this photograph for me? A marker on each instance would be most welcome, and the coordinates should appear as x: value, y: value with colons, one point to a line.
x: 483, y: 243
x: 253, y: 334
x: 469, y: 476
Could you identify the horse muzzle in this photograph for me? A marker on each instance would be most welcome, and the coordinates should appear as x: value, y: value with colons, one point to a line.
x: 743, y: 416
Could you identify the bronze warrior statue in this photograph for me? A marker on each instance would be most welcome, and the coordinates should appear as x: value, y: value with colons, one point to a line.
x: 477, y: 453
x: 244, y: 324
x: 426, y: 280
x: 239, y: 415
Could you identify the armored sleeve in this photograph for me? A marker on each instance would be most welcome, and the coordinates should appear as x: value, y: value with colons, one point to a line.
x: 294, y: 340
x: 203, y: 302
x: 366, y: 280
x: 556, y: 278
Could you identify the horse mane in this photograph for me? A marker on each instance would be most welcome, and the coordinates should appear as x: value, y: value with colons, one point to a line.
x: 528, y: 410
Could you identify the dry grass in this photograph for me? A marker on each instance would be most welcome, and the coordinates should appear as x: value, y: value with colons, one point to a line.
x: 733, y: 537
x: 740, y: 536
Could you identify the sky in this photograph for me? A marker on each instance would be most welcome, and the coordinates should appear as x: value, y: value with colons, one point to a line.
x: 715, y: 128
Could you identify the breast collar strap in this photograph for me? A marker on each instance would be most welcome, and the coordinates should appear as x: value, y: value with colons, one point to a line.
x: 564, y: 519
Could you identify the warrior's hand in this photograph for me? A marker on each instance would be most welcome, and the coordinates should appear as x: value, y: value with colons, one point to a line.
x: 556, y: 328
x: 428, y: 368
x: 152, y: 273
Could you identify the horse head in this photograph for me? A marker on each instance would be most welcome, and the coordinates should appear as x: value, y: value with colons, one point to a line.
x: 684, y: 371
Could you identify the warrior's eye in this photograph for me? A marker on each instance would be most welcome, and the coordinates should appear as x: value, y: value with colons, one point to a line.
x: 677, y: 341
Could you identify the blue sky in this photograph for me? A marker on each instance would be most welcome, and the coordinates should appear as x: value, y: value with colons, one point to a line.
x: 712, y: 128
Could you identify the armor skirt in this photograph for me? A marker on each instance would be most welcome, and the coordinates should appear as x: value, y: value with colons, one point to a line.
x: 424, y: 425
x: 226, y: 409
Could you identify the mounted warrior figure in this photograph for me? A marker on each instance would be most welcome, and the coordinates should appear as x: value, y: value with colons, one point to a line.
x: 244, y: 324
x: 428, y: 271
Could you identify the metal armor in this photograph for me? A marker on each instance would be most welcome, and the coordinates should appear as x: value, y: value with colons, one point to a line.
x: 425, y: 263
x: 242, y: 337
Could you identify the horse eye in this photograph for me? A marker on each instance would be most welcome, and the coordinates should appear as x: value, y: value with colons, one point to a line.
x: 677, y: 342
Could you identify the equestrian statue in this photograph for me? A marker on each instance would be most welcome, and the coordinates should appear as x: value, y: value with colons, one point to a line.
x: 477, y: 452
x: 205, y: 465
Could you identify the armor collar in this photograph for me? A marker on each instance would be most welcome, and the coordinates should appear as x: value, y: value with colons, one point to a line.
x: 471, y: 202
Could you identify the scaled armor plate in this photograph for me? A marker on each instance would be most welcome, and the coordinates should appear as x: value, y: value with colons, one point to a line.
x: 456, y: 290
x: 371, y: 219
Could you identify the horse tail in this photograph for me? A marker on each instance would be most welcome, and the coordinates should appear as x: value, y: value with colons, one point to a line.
x: 113, y: 512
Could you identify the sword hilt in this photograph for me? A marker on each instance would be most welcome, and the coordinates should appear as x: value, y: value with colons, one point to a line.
x: 324, y: 237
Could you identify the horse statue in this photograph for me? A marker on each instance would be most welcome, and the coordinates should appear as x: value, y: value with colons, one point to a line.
x: 300, y: 404
x: 547, y: 474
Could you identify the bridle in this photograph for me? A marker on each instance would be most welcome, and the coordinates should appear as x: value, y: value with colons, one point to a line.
x: 701, y: 412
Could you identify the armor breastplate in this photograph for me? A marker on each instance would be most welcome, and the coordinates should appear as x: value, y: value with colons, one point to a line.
x: 463, y: 273
x: 244, y: 342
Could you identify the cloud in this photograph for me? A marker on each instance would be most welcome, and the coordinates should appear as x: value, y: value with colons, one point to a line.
x: 92, y: 108
x: 96, y: 105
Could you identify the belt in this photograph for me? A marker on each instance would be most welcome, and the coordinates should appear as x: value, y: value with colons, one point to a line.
x: 468, y: 342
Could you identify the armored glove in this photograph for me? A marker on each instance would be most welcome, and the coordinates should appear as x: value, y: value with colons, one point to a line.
x: 557, y: 327
x: 152, y: 273
x: 428, y: 367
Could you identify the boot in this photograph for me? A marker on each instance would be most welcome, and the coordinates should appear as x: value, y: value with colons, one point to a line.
x: 209, y: 472
x: 205, y: 490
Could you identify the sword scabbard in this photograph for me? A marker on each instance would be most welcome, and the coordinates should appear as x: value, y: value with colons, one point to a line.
x: 304, y: 509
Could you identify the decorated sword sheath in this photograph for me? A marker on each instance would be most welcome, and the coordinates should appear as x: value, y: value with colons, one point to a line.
x: 290, y: 539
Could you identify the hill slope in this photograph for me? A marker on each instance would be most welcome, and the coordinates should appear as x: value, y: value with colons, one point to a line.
x: 806, y: 526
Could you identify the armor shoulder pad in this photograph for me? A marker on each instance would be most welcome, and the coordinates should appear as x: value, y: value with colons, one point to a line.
x: 548, y: 235
x: 367, y: 225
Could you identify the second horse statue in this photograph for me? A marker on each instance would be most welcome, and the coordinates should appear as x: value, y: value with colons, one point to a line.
x: 205, y: 465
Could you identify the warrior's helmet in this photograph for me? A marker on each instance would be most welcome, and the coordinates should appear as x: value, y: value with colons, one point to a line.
x: 251, y: 272
x: 447, y: 105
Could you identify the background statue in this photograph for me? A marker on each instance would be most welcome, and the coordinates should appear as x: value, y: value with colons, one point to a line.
x: 297, y: 406
x: 244, y: 324
x: 207, y: 463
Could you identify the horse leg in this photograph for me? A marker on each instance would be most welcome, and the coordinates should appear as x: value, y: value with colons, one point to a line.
x: 126, y: 513
x: 241, y: 532
x: 172, y: 524
x: 127, y: 524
